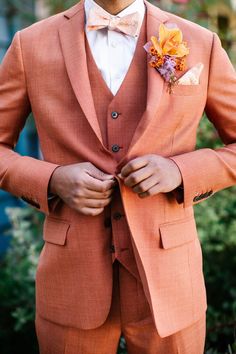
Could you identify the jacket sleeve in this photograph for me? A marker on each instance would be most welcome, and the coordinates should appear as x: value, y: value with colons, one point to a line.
x: 206, y: 171
x: 22, y: 176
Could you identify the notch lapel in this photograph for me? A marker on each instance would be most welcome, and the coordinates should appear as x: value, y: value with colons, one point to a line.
x: 72, y: 38
x: 155, y: 82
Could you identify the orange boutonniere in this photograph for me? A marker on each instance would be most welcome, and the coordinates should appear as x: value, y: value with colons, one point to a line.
x: 168, y: 53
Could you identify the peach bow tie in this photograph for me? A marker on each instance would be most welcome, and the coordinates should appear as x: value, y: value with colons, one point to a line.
x: 98, y: 19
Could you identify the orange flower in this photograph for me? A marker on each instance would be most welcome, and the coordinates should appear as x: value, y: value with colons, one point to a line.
x: 180, y: 64
x: 158, y: 62
x: 153, y: 51
x: 170, y: 42
x: 153, y: 64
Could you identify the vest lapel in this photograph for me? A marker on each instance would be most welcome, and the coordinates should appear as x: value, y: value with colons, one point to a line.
x: 72, y: 37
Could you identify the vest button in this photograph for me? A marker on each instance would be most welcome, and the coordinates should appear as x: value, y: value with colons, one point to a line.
x: 115, y: 148
x: 117, y: 216
x: 114, y: 115
x: 112, y: 249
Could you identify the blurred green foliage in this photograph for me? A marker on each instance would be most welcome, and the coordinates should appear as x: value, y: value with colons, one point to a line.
x: 17, y: 282
x: 56, y: 6
x: 216, y: 221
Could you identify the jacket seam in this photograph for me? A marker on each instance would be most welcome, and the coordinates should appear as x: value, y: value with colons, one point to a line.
x: 210, y: 61
x: 23, y: 64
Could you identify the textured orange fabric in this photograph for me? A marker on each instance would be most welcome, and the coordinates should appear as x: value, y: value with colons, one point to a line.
x: 130, y: 315
x: 45, y: 71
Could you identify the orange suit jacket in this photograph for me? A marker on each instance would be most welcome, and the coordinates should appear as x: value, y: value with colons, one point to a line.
x: 44, y: 71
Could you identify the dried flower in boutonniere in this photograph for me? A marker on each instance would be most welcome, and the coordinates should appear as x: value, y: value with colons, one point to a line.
x: 168, y: 53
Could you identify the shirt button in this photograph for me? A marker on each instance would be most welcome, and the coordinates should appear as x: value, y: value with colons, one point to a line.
x: 113, y: 44
x: 117, y: 216
x: 115, y: 148
x: 114, y: 115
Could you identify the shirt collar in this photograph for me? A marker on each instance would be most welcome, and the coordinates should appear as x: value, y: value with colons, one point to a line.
x: 136, y: 6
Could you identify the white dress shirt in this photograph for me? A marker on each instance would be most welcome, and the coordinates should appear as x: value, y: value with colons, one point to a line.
x: 113, y: 51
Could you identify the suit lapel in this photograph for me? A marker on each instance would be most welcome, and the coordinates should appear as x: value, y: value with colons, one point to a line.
x: 72, y: 37
x: 155, y: 82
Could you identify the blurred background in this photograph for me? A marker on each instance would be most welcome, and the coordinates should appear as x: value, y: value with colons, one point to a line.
x: 21, y: 225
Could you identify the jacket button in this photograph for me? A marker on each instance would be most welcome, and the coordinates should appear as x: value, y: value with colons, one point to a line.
x: 114, y: 115
x: 117, y: 216
x: 209, y: 193
x: 112, y: 249
x: 115, y: 148
x: 197, y: 198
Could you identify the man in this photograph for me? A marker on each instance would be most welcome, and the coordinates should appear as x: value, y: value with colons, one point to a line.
x: 120, y: 172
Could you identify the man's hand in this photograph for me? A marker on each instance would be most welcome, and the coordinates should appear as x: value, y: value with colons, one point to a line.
x: 83, y: 187
x: 151, y: 174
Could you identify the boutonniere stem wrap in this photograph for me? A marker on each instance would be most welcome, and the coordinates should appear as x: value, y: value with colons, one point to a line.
x: 168, y: 53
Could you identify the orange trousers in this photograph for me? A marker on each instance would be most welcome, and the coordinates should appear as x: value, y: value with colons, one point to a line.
x: 130, y: 316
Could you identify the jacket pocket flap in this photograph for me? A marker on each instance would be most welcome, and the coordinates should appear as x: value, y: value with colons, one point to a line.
x: 55, y: 231
x: 178, y: 233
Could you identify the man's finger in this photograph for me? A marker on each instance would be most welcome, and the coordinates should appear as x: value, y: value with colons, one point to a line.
x: 146, y: 185
x: 137, y: 177
x: 97, y: 195
x: 158, y: 188
x: 91, y: 211
x: 97, y: 185
x: 134, y: 165
x: 98, y: 174
x: 97, y: 203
